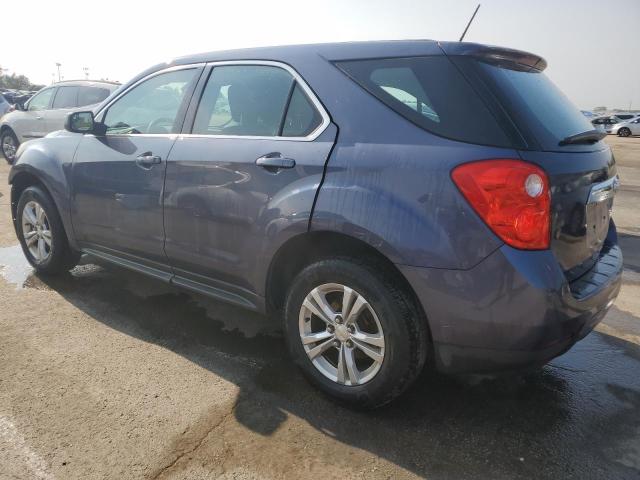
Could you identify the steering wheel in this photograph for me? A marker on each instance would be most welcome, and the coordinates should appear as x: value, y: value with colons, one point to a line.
x: 153, y: 124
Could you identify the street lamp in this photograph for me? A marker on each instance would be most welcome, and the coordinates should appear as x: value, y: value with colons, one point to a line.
x: 86, y: 72
x: 58, y: 65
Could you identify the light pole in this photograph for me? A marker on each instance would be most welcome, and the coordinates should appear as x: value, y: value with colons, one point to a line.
x: 58, y: 65
x: 86, y: 72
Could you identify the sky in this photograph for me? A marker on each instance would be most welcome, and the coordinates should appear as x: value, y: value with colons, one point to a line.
x: 591, y: 46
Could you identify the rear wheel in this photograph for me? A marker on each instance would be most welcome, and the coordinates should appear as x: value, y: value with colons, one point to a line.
x: 42, y: 234
x: 624, y: 132
x: 353, y: 332
x: 9, y: 144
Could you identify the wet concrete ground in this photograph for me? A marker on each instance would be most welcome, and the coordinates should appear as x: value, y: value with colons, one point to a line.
x: 107, y: 374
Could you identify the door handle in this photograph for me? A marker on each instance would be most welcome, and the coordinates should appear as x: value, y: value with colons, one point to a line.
x: 148, y: 160
x: 275, y: 161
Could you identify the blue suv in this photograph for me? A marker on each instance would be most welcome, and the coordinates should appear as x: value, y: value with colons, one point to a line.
x: 395, y: 203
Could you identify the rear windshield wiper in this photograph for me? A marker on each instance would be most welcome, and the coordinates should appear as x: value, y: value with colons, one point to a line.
x: 592, y: 136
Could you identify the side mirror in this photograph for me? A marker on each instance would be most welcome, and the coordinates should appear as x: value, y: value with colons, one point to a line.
x: 80, y: 122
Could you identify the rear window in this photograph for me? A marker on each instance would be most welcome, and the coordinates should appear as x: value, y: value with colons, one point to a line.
x: 91, y: 95
x: 431, y: 93
x: 535, y: 104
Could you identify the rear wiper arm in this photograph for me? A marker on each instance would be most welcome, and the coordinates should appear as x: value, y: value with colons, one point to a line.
x: 592, y: 136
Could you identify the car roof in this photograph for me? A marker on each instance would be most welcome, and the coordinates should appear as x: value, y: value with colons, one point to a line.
x: 356, y: 50
x: 86, y: 83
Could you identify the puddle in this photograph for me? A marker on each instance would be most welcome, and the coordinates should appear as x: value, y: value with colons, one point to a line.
x: 14, y: 267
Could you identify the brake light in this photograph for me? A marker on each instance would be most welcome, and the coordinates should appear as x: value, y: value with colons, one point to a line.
x: 512, y: 197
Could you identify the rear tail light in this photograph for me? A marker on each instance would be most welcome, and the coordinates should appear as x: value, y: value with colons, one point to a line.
x: 512, y: 197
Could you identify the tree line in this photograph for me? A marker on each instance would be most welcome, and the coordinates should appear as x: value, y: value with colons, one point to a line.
x: 17, y: 82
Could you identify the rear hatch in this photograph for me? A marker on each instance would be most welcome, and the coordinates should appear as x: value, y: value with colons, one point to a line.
x: 556, y: 136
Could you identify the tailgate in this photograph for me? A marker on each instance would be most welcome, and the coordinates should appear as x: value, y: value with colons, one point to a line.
x: 582, y: 190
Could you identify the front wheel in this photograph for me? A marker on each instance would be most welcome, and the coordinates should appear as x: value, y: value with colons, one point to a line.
x: 353, y: 332
x: 42, y: 234
x: 9, y: 144
x: 624, y: 132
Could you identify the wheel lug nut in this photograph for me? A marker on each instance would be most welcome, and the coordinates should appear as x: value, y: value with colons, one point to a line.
x: 330, y: 328
x: 338, y: 319
x: 351, y: 329
x: 349, y: 344
x: 336, y: 343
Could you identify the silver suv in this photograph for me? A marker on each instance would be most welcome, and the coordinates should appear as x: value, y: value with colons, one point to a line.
x: 47, y: 110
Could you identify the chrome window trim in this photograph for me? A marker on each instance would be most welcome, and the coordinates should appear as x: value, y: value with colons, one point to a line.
x: 326, y: 120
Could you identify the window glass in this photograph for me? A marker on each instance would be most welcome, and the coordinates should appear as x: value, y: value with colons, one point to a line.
x: 535, y: 104
x: 41, y: 100
x: 302, y: 117
x: 91, y: 95
x: 432, y: 93
x: 66, y: 97
x: 152, y: 106
x: 243, y: 100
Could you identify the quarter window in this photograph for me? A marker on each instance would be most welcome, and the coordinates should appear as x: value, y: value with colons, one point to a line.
x: 66, y: 97
x: 41, y: 100
x: 152, y: 106
x: 245, y: 100
x: 302, y: 117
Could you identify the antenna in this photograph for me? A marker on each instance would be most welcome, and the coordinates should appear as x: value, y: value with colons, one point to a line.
x: 469, y: 24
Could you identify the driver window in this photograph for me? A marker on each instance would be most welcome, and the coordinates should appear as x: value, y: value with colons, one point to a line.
x: 41, y: 100
x: 151, y: 107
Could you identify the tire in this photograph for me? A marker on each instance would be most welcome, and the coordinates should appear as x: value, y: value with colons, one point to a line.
x: 624, y: 132
x: 36, y: 214
x: 9, y: 145
x: 389, y: 312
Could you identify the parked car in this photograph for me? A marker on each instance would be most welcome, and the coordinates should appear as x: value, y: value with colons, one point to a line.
x: 392, y: 202
x: 47, y: 110
x: 628, y: 128
x: 5, y: 106
x: 604, y: 124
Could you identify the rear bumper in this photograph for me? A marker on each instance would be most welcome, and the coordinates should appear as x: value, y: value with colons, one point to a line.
x: 515, y: 309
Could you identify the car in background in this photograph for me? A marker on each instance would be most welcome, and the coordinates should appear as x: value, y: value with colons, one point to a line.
x: 628, y: 128
x: 47, y: 110
x: 5, y: 106
x: 604, y: 124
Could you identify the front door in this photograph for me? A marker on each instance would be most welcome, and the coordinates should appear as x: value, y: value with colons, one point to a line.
x: 258, y: 146
x: 32, y: 122
x: 118, y: 177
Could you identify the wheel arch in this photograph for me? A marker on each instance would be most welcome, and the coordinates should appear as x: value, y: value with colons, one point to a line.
x: 303, y: 249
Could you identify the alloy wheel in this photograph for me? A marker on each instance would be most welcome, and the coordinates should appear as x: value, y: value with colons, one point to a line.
x: 341, y: 334
x: 36, y: 230
x: 9, y: 147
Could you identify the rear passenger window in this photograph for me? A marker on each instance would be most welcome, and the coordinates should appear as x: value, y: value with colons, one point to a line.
x: 302, y: 117
x: 67, y: 97
x: 245, y: 100
x: 91, y: 95
x: 431, y: 93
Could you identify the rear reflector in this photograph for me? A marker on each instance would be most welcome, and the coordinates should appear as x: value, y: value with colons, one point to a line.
x: 511, y: 196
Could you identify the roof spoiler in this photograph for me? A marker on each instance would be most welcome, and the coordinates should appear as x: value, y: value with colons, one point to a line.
x: 503, y: 57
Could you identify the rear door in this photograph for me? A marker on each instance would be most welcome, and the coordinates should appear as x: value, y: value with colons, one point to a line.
x: 247, y: 168
x: 65, y: 100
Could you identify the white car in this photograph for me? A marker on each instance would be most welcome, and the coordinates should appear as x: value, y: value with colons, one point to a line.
x: 627, y: 128
x: 47, y: 111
